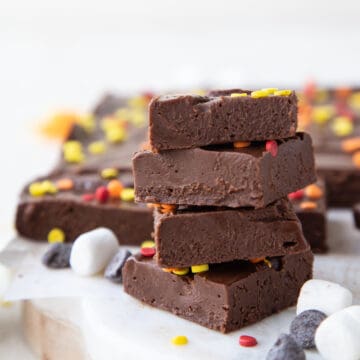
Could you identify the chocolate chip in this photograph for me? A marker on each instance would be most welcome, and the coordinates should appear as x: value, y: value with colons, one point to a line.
x: 303, y: 327
x: 286, y: 348
x: 57, y: 256
x: 113, y: 271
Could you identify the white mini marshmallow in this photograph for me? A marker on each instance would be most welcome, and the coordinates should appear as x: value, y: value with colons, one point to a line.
x: 92, y: 251
x: 338, y: 336
x: 324, y: 296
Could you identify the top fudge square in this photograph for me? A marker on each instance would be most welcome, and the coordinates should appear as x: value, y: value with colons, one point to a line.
x: 189, y: 121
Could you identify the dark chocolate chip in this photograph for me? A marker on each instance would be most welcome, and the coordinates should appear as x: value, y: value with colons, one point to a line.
x: 57, y: 256
x: 113, y: 271
x: 286, y: 348
x: 303, y: 327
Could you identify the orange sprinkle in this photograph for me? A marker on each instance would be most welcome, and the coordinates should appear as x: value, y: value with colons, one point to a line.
x: 351, y: 145
x: 145, y: 146
x: 241, y: 144
x: 356, y: 159
x: 308, y: 205
x: 256, y: 260
x: 342, y: 92
x: 59, y: 125
x: 114, y: 187
x: 167, y: 208
x: 153, y: 205
x: 65, y: 184
x: 313, y: 191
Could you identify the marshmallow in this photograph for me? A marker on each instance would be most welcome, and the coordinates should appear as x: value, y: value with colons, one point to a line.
x: 338, y: 336
x: 92, y: 251
x: 325, y: 296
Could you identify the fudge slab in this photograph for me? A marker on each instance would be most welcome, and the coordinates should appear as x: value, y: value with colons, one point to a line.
x: 223, y: 175
x: 192, y: 236
x: 356, y: 212
x: 228, y: 296
x: 189, y: 121
x: 67, y: 210
x: 312, y: 215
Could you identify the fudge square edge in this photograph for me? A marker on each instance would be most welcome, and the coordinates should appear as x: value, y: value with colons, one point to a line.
x: 225, y: 176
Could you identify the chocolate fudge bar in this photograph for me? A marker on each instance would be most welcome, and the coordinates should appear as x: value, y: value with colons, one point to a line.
x: 78, y: 210
x: 224, y: 175
x: 67, y: 210
x: 197, y: 235
x: 228, y: 296
x: 356, y: 212
x: 310, y: 207
x: 190, y: 121
x: 332, y: 117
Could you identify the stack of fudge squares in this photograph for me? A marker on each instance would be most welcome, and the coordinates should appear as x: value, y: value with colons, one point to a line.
x: 229, y: 247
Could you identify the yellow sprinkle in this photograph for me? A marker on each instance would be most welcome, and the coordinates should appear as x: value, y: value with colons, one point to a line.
x: 199, y: 268
x: 342, y: 126
x: 179, y: 340
x: 49, y: 187
x: 137, y: 118
x: 110, y: 122
x: 355, y: 100
x: 259, y: 94
x: 283, y: 92
x: 138, y: 101
x: 6, y: 304
x: 97, y: 147
x: 56, y: 235
x: 180, y: 271
x: 321, y: 114
x: 123, y: 113
x: 109, y: 173
x: 148, y: 244
x: 321, y: 95
x: 270, y: 91
x: 72, y: 144
x: 115, y: 134
x: 36, y: 189
x: 127, y: 194
x: 200, y: 92
x: 87, y: 122
x: 73, y: 152
x: 238, y: 95
x: 268, y: 263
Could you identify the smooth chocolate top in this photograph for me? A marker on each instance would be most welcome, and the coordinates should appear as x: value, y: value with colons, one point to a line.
x: 192, y: 236
x: 190, y: 121
x: 224, y: 175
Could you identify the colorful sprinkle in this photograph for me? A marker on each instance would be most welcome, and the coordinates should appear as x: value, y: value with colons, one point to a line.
x: 115, y: 187
x: 322, y: 114
x: 342, y: 126
x: 41, y: 188
x: 148, y: 244
x: 238, y: 95
x: 97, y: 147
x: 308, y: 205
x: 270, y: 91
x: 109, y: 173
x: 199, y: 268
x: 56, y: 235
x: 148, y: 251
x: 181, y: 271
x: 6, y: 304
x: 127, y: 194
x: 87, y: 122
x: 241, y: 144
x: 65, y: 184
x: 247, y: 341
x: 179, y: 340
x: 355, y: 100
x: 102, y: 194
x: 88, y: 197
x: 167, y: 208
x: 115, y: 134
x: 356, y: 159
x: 259, y: 94
x: 351, y: 145
x: 271, y: 146
x: 256, y: 260
x: 296, y: 195
x: 283, y: 92
x: 313, y: 191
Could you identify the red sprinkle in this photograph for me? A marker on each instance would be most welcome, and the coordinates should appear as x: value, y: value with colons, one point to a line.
x: 88, y: 197
x: 148, y: 251
x: 296, y: 195
x: 247, y: 341
x: 272, y: 147
x: 102, y: 194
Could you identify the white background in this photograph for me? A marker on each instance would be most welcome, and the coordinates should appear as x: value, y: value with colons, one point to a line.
x: 63, y: 54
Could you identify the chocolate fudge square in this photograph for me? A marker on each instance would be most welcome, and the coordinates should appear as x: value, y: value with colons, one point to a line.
x: 310, y: 207
x: 198, y: 235
x: 74, y: 212
x: 224, y: 175
x: 227, y: 297
x: 189, y: 121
